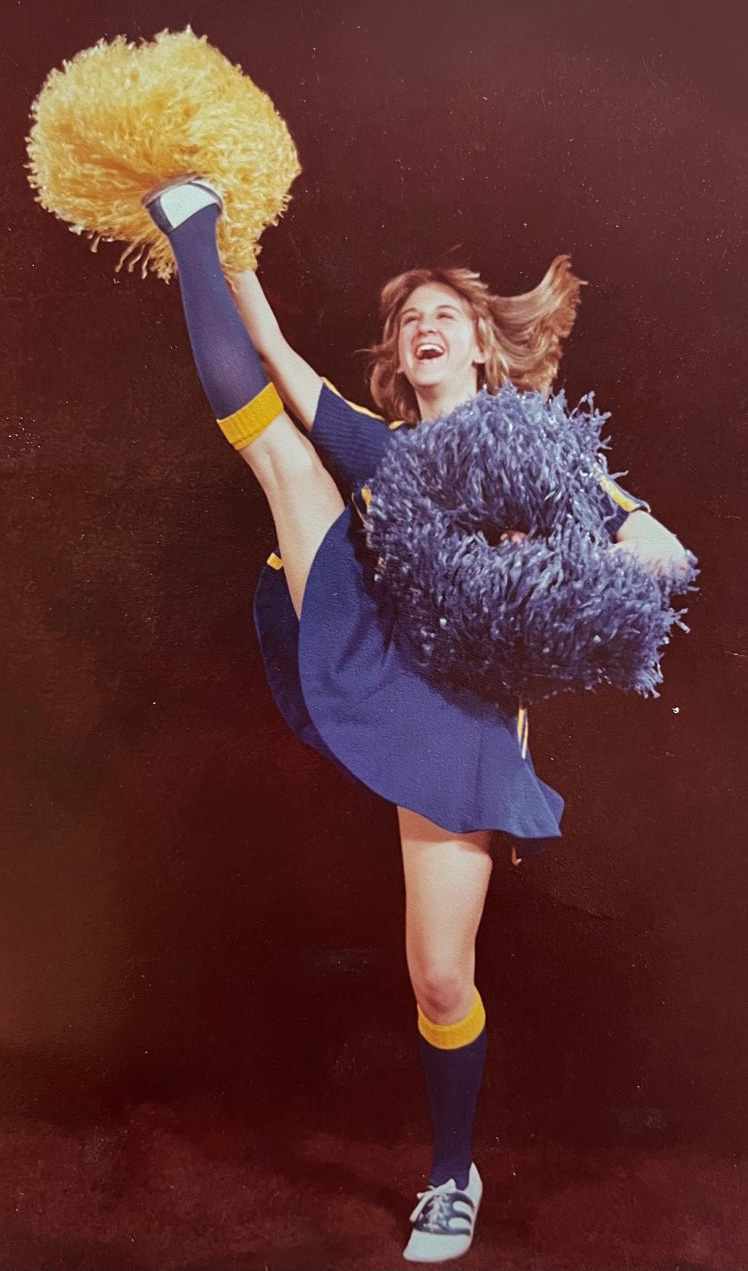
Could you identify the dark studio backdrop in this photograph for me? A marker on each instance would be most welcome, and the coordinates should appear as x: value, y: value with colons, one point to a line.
x: 195, y: 907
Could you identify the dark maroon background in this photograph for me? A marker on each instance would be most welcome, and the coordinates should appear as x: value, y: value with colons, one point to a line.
x: 197, y: 913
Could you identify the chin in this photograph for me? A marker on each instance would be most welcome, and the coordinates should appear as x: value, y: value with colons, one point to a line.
x: 426, y: 384
x: 435, y: 378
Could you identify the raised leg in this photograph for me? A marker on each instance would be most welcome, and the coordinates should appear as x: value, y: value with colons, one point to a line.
x: 303, y: 498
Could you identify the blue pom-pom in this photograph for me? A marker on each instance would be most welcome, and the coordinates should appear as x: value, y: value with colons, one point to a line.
x: 557, y: 611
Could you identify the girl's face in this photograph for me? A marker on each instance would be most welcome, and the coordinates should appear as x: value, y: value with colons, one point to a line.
x: 437, y: 345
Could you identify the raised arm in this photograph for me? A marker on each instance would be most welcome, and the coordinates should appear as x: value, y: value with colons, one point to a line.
x: 298, y: 384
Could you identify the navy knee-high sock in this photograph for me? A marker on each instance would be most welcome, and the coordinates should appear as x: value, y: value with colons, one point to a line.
x: 453, y: 1067
x: 227, y: 362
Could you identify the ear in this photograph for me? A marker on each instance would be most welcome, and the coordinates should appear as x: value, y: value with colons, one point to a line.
x: 480, y: 356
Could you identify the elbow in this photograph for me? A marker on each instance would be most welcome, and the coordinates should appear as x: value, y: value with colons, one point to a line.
x: 656, y: 548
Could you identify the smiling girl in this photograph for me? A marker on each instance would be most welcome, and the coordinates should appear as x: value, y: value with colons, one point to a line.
x: 455, y: 767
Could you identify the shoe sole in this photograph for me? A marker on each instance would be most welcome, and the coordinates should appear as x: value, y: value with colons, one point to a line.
x: 152, y: 200
x: 171, y: 183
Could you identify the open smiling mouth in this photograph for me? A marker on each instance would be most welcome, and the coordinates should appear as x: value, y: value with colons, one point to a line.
x: 427, y: 352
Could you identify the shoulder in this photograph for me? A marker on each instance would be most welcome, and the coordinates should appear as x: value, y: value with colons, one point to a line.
x: 619, y: 503
x: 332, y: 401
x: 352, y: 439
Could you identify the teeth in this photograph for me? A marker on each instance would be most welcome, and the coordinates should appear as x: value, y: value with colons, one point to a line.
x: 425, y: 349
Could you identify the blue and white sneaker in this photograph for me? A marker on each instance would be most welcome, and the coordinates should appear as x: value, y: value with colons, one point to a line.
x: 174, y: 201
x: 444, y: 1221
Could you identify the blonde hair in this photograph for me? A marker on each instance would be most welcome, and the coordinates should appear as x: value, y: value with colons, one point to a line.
x: 520, y: 336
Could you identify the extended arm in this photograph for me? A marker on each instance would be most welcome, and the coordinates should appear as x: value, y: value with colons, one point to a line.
x: 646, y: 538
x: 298, y: 384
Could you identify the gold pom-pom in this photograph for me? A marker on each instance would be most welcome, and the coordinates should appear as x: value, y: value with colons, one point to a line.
x: 119, y: 118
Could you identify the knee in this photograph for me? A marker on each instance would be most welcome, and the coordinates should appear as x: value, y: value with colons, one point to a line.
x: 444, y: 990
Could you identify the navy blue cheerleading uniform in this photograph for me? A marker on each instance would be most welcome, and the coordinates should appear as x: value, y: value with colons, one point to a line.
x: 345, y: 686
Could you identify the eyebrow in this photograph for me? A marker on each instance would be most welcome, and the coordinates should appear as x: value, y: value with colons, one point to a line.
x: 447, y: 304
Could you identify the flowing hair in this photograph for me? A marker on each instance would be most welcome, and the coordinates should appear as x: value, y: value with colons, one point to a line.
x: 520, y: 336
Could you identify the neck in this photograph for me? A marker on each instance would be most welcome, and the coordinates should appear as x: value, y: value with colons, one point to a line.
x: 440, y: 400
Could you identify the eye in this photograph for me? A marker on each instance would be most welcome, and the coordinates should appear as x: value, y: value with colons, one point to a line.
x: 405, y: 321
x: 447, y: 313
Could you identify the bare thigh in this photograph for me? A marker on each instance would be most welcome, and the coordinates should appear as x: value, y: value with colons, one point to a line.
x: 446, y: 880
x: 303, y: 498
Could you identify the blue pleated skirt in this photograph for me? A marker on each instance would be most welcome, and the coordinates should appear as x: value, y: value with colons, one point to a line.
x: 346, y: 687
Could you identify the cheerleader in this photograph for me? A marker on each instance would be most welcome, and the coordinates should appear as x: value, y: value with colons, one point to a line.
x: 455, y: 767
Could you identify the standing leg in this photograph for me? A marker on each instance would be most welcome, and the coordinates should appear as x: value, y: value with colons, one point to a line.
x: 446, y: 879
x: 303, y: 498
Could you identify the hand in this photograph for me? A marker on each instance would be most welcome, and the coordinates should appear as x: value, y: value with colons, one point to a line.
x: 512, y: 536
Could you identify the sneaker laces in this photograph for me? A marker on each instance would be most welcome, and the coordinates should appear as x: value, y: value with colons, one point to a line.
x: 435, y: 1211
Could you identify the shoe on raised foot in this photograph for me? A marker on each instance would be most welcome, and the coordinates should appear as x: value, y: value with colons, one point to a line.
x: 444, y: 1221
x: 174, y: 201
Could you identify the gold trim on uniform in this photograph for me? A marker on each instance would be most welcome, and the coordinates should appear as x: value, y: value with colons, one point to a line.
x: 523, y: 729
x: 362, y: 410
x: 621, y: 497
x: 274, y: 561
x: 247, y: 423
x: 452, y: 1036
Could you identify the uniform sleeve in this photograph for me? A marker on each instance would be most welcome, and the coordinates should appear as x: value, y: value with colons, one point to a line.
x: 618, y: 504
x: 351, y: 439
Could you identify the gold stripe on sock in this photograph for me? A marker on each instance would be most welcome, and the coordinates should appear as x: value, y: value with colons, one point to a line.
x: 452, y: 1036
x: 246, y: 424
